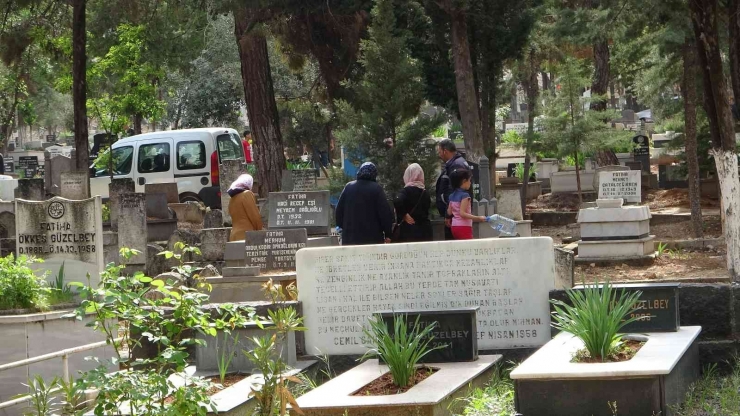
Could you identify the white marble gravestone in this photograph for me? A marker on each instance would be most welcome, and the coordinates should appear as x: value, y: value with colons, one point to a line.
x: 75, y: 185
x: 621, y: 184
x: 60, y: 231
x: 509, y: 279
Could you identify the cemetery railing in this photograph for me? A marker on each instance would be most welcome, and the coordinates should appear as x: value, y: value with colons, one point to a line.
x: 63, y: 354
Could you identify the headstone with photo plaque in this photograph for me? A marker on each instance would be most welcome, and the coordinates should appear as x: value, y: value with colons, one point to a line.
x: 454, y: 336
x: 621, y: 184
x: 61, y: 231
x: 309, y: 210
x: 273, y: 250
x: 509, y: 279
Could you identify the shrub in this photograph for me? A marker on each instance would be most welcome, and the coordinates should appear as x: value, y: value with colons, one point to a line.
x: 596, y: 316
x: 512, y: 137
x: 20, y: 287
x: 402, y: 349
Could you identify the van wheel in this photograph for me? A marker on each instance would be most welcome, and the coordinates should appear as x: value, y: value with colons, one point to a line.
x: 189, y: 197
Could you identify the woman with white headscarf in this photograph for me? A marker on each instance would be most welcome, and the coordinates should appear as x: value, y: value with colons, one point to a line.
x: 412, y: 207
x: 245, y: 215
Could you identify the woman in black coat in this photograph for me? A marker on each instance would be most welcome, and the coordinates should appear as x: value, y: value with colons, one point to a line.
x: 412, y: 207
x: 363, y: 213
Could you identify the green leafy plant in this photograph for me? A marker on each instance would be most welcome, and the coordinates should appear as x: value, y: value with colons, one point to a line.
x: 597, y: 315
x: 20, y: 286
x: 60, y: 292
x: 662, y: 249
x: 163, y: 315
x: 73, y: 398
x: 225, y: 357
x: 183, y: 253
x: 402, y: 349
x: 41, y: 401
x: 106, y: 212
x: 519, y: 171
x: 512, y: 137
x: 274, y: 395
x: 297, y: 165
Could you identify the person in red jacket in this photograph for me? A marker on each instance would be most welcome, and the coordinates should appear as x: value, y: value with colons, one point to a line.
x: 247, y: 145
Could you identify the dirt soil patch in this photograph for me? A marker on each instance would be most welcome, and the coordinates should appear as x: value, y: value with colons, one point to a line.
x: 626, y: 351
x: 671, y: 266
x: 383, y: 385
x: 229, y: 381
x: 653, y: 198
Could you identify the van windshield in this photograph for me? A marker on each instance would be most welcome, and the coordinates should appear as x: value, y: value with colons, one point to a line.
x: 229, y: 147
x: 122, y: 161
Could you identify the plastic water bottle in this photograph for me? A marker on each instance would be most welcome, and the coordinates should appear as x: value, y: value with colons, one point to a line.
x: 504, y: 226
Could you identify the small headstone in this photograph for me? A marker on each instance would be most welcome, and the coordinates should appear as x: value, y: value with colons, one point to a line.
x: 75, y: 185
x: 274, y: 249
x: 30, y: 189
x: 9, y: 166
x: 300, y: 210
x: 229, y: 171
x: 156, y: 206
x: 132, y: 232
x: 168, y: 189
x: 642, y: 151
x: 62, y: 231
x: 303, y: 179
x: 26, y: 162
x: 509, y: 279
x: 213, y: 243
x: 57, y: 165
x: 621, y: 184
x: 455, y: 331
x: 213, y: 219
x: 634, y: 165
x: 657, y: 308
x: 115, y: 189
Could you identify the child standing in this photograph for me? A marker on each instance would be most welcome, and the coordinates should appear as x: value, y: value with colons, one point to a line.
x: 460, y: 206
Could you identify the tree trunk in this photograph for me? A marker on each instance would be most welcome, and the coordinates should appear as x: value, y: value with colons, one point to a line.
x: 692, y: 159
x: 545, y: 81
x: 600, y: 83
x: 734, y: 29
x: 138, y: 120
x: 532, y: 89
x: 612, y: 96
x: 79, y: 84
x: 466, y: 96
x: 704, y: 20
x: 260, y: 100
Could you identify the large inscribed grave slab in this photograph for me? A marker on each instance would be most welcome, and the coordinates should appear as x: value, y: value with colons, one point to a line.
x: 509, y: 279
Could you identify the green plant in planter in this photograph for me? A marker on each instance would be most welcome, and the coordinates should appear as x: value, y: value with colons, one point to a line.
x: 597, y: 315
x: 225, y: 356
x: 41, y: 401
x: 165, y: 317
x: 275, y: 395
x: 401, y: 350
x: 20, y: 287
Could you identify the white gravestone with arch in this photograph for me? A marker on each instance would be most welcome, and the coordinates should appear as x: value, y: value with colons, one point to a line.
x: 509, y: 279
x: 60, y: 231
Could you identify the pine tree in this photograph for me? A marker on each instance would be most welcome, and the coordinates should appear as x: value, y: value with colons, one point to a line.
x: 383, y: 122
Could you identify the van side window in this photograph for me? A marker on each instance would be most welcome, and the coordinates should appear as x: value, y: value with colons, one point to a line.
x: 191, y: 155
x: 154, y: 158
x: 122, y: 161
x: 229, y: 147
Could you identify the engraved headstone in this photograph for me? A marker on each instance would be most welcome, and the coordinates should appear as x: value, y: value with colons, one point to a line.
x: 621, y: 184
x: 75, y: 185
x: 28, y: 162
x: 642, y: 151
x: 115, y: 189
x: 274, y: 249
x: 454, y: 334
x: 308, y: 210
x: 62, y: 231
x: 303, y: 179
x: 169, y: 189
x: 509, y: 279
x: 132, y: 226
x: 213, y: 219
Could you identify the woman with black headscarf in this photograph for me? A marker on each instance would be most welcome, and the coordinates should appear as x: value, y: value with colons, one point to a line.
x: 363, y: 212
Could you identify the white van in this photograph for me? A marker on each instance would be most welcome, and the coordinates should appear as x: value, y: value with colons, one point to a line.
x: 188, y: 157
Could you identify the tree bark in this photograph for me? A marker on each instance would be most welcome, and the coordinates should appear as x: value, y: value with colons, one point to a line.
x: 716, y: 104
x: 600, y: 83
x: 138, y: 120
x: 692, y: 159
x: 734, y: 31
x: 532, y: 89
x: 260, y: 100
x: 464, y: 81
x: 79, y: 84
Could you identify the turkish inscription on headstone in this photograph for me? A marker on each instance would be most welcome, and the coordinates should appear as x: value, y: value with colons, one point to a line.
x: 454, y: 336
x: 74, y: 185
x: 642, y: 151
x: 274, y: 249
x: 621, y: 184
x: 25, y: 162
x: 62, y: 231
x: 299, y: 209
x: 303, y: 179
x: 656, y: 309
x: 509, y: 279
x: 132, y: 231
x: 9, y: 166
